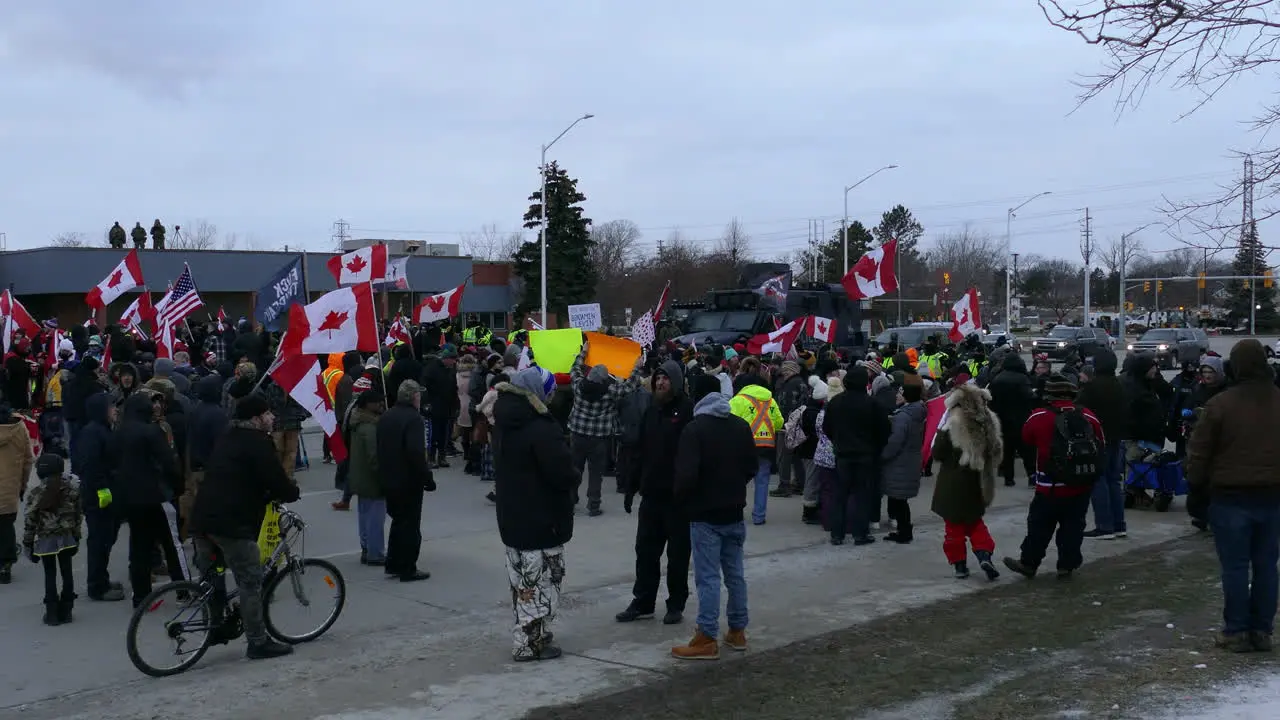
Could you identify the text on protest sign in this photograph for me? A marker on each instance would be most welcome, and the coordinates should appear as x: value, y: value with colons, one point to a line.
x: 586, y: 317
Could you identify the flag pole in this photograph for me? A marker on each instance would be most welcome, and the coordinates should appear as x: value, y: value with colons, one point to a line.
x: 385, y: 398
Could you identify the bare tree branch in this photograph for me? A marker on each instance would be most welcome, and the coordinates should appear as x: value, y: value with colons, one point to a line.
x: 490, y: 244
x: 969, y: 256
x: 70, y: 239
x: 1110, y: 253
x: 199, y: 235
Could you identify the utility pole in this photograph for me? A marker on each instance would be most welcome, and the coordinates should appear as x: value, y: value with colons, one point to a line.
x: 1086, y: 250
x: 1249, y: 240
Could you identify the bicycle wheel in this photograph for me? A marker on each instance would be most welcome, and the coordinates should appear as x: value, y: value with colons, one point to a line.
x: 184, y: 617
x: 307, y: 588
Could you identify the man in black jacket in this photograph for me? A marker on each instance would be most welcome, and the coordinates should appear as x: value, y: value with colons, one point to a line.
x: 205, y: 426
x: 1147, y: 395
x: 662, y: 524
x: 858, y: 431
x: 1012, y: 399
x: 535, y: 487
x: 1102, y: 394
x: 715, y: 461
x: 93, y: 459
x: 241, y: 477
x: 440, y: 384
x: 402, y: 462
x: 148, y: 480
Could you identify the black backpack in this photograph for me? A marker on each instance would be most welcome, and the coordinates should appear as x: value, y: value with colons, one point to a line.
x: 1074, y: 456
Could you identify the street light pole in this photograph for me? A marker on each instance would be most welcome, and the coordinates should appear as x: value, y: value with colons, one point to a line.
x: 1008, y: 249
x: 542, y: 225
x: 844, y: 224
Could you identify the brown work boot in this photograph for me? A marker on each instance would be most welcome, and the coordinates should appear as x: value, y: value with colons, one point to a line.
x: 1234, y: 642
x: 701, y: 647
x: 736, y: 640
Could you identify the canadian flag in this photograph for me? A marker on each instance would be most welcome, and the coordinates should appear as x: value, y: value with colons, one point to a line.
x: 397, y: 332
x: 366, y: 265
x: 874, y: 274
x: 820, y: 328
x: 16, y: 317
x: 965, y: 316
x: 166, y: 343
x: 138, y: 311
x: 339, y: 321
x: 778, y: 341
x: 301, y: 377
x: 222, y: 319
x: 440, y: 307
x: 125, y: 277
x: 51, y: 358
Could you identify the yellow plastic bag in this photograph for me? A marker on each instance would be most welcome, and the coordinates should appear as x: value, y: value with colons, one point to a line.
x: 269, y: 535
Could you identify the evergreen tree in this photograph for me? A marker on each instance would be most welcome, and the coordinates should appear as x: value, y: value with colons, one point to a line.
x: 831, y: 254
x: 1251, y: 259
x: 899, y: 223
x: 571, y: 278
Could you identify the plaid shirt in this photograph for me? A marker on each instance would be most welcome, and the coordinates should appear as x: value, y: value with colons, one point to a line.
x: 217, y: 345
x: 597, y: 418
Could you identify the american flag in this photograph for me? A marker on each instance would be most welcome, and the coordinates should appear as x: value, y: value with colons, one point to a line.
x: 179, y: 302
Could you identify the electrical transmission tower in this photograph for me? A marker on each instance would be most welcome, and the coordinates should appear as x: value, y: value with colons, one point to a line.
x: 341, y: 233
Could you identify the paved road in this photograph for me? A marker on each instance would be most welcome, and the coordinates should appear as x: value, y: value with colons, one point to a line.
x: 441, y: 648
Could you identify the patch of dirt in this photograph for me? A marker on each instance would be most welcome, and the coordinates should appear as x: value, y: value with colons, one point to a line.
x: 1096, y: 646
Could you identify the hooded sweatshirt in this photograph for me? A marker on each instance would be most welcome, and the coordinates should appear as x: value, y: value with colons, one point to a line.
x: 207, y: 421
x: 653, y: 473
x: 1104, y: 395
x: 1145, y: 398
x: 1233, y: 451
x: 595, y: 399
x: 714, y: 462
x: 857, y: 428
x: 93, y: 455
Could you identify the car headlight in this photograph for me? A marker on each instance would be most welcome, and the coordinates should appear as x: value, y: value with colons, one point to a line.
x: 1162, y: 348
x: 1130, y: 346
x: 1062, y: 344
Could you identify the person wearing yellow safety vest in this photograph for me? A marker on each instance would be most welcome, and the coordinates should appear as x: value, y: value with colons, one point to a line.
x: 477, y: 334
x: 755, y: 404
x: 933, y: 360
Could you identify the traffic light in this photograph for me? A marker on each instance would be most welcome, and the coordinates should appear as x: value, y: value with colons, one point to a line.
x: 1128, y: 306
x: 1266, y: 279
x: 1246, y: 284
x: 946, y: 278
x: 1159, y: 286
x: 1146, y: 286
x: 1200, y: 283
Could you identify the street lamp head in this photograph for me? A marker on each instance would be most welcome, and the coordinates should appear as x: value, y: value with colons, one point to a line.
x: 890, y: 167
x: 588, y: 116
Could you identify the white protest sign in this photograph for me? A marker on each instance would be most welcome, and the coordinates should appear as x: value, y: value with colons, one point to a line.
x: 586, y: 317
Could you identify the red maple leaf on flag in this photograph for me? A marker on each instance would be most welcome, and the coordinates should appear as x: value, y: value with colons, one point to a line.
x: 357, y: 264
x: 322, y: 392
x: 116, y: 278
x: 436, y: 303
x: 964, y: 316
x: 334, y: 320
x: 822, y: 328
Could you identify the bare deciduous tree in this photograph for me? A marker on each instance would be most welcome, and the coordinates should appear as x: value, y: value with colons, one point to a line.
x: 199, y: 235
x: 1196, y: 45
x: 969, y: 256
x: 1056, y: 284
x: 1112, y: 253
x: 613, y: 247
x: 490, y: 244
x: 70, y: 239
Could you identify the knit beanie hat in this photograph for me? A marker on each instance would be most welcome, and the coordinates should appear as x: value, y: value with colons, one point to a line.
x: 1060, y: 386
x: 49, y: 465
x: 251, y: 406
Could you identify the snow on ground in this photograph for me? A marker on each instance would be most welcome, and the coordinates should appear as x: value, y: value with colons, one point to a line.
x: 1256, y: 698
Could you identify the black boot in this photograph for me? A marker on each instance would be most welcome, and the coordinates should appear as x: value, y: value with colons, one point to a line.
x: 962, y: 569
x: 51, y: 613
x: 441, y: 460
x: 1015, y: 564
x: 66, y: 604
x: 6, y: 574
x: 810, y: 516
x: 988, y: 567
x: 264, y: 649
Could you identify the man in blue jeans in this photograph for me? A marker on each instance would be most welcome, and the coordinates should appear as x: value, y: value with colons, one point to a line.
x: 1101, y: 392
x: 1234, y: 459
x: 715, y: 461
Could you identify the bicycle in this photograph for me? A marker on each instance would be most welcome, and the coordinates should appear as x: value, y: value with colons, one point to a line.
x: 208, y: 609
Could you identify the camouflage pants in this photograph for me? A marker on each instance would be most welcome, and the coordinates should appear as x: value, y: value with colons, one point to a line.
x: 535, y: 577
x: 245, y: 563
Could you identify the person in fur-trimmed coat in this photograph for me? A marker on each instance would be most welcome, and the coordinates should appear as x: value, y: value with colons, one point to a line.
x: 968, y: 448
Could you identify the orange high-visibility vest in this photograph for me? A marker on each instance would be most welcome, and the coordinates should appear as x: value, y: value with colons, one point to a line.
x: 762, y: 426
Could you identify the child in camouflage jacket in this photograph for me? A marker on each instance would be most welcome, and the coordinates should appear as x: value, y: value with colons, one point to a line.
x: 52, y: 534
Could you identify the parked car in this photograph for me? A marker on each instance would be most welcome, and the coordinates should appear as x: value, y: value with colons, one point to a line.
x: 1172, y: 346
x: 996, y: 332
x: 911, y: 336
x: 1063, y: 339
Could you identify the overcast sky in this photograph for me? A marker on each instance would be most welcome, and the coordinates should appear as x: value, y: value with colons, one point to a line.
x: 414, y: 119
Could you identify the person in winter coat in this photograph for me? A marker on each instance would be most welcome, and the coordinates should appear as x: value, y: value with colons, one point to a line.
x: 968, y: 446
x: 631, y: 410
x: 52, y: 534
x: 406, y: 475
x: 244, y: 380
x: 466, y: 369
x: 363, y: 479
x: 1102, y: 394
x: 901, y: 461
x: 205, y: 424
x: 858, y: 431
x: 148, y: 480
x: 16, y: 459
x: 535, y: 487
x: 819, y: 392
x: 1012, y: 400
x: 83, y: 384
x: 288, y: 415
x: 404, y: 367
x: 352, y: 364
x: 440, y: 387
x: 1147, y: 395
x: 1061, y: 503
x: 165, y: 369
x: 885, y: 396
x: 1233, y: 458
x: 755, y: 404
x: 792, y: 392
x: 715, y: 460
x: 18, y: 374
x: 124, y: 383
x: 593, y: 420
x: 661, y: 524
x: 241, y: 478
x: 94, y: 459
